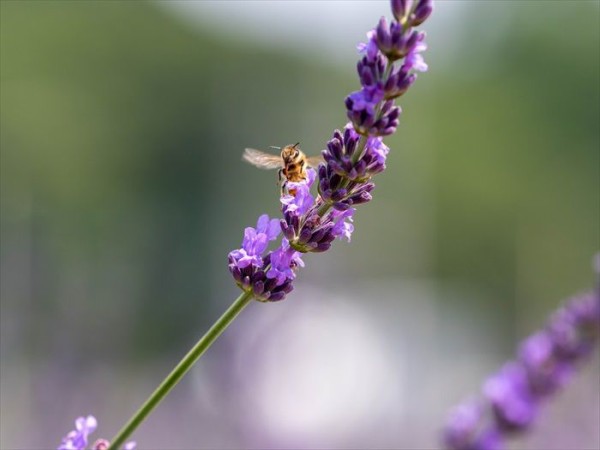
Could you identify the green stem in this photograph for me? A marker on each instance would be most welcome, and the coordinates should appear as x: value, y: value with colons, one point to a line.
x: 181, y: 369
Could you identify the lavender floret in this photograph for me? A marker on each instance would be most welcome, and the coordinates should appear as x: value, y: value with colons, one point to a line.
x: 303, y: 226
x: 422, y: 11
x: 466, y: 429
x: 268, y: 277
x: 545, y: 371
x: 512, y: 400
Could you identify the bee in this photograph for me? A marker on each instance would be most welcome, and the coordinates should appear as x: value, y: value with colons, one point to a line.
x: 292, y: 162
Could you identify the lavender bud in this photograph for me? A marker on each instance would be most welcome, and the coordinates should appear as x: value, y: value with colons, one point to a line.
x: 305, y: 235
x: 509, y: 393
x: 288, y: 231
x: 421, y: 12
x: 319, y: 235
x: 287, y: 288
x: 276, y: 296
x: 358, y: 199
x: 467, y: 429
x: 400, y: 8
x: 545, y: 372
x: 270, y: 284
x: 339, y: 194
x: 236, y: 272
x: 258, y: 288
x: 323, y: 247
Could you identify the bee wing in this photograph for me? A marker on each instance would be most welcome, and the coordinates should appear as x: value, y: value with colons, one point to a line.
x: 262, y: 160
x: 314, y: 161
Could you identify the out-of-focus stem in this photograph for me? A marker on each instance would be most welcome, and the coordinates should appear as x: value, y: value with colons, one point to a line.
x: 181, y: 369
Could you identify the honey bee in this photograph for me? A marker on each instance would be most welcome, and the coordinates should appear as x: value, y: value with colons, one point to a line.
x: 292, y: 162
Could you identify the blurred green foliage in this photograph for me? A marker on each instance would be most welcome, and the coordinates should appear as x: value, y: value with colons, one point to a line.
x: 122, y: 190
x: 122, y: 135
x: 121, y: 177
x: 517, y: 155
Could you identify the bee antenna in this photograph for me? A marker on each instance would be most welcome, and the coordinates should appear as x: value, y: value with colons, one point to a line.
x: 296, y: 144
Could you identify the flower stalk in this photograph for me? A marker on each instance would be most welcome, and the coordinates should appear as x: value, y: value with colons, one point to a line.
x: 181, y: 369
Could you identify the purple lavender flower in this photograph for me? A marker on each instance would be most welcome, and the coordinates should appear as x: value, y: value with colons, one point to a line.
x: 545, y: 372
x: 342, y: 223
x: 466, y: 429
x: 411, y: 12
x: 77, y: 439
x: 386, y: 44
x: 400, y: 8
x: 414, y: 60
x: 265, y: 276
x: 344, y: 181
x: 420, y: 13
x: 304, y: 227
x: 353, y: 156
x: 512, y: 396
x: 393, y: 40
x: 573, y: 328
x: 256, y: 241
x: 398, y: 83
x: 369, y: 48
x: 301, y: 200
x: 283, y: 260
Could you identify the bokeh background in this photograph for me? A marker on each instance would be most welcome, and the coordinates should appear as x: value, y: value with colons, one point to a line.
x: 123, y: 190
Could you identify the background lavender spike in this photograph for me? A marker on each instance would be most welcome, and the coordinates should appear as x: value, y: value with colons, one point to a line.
x: 545, y: 362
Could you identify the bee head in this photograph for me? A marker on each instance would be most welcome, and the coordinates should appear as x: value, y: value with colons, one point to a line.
x: 290, y: 152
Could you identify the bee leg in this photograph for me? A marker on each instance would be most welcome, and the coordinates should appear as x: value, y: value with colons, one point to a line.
x: 281, y: 181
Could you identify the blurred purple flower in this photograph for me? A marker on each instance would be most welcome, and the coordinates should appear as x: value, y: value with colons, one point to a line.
x: 465, y: 430
x: 77, y: 439
x: 546, y: 372
x: 512, y: 396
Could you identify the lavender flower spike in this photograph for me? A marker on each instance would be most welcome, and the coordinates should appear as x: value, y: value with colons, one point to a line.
x: 78, y: 438
x: 311, y: 223
x: 512, y: 397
